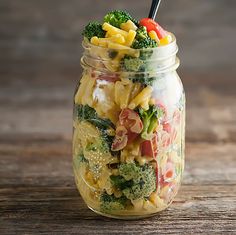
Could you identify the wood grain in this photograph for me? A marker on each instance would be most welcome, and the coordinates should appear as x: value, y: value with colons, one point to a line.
x: 39, y: 68
x: 37, y: 193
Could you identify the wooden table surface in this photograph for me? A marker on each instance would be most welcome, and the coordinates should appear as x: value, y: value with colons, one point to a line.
x: 38, y: 72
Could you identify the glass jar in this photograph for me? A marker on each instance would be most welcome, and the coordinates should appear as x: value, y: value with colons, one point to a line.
x: 129, y: 130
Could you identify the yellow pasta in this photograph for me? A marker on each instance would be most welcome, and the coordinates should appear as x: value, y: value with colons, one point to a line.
x: 145, y: 104
x: 135, y: 90
x: 118, y: 90
x: 94, y: 40
x: 130, y: 38
x: 117, y: 46
x: 113, y: 30
x: 80, y: 92
x: 87, y: 97
x: 141, y: 97
x: 124, y: 97
x: 127, y: 26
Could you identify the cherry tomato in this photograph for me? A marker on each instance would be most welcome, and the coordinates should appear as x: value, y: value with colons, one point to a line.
x: 150, y: 24
x: 149, y: 147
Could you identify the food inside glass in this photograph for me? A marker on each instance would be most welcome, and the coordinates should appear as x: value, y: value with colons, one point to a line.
x: 129, y: 118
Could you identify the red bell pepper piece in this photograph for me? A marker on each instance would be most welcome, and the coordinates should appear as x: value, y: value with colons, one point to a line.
x: 149, y: 148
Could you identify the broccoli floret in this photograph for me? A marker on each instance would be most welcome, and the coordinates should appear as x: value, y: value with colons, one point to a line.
x: 93, y: 29
x: 117, y: 17
x: 135, y: 181
x: 150, y: 119
x: 141, y: 64
x: 143, y: 79
x: 144, y: 43
x: 86, y: 113
x: 110, y: 203
x: 133, y: 64
x: 142, y: 39
x: 120, y: 182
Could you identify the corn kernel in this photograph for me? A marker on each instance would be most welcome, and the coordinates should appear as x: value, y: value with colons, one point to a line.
x: 166, y: 40
x: 153, y: 35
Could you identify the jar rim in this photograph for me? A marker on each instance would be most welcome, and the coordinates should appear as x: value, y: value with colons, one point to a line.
x: 161, y: 58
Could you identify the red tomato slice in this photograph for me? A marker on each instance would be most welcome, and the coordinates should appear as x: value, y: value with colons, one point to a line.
x: 149, y: 147
x: 121, y: 139
x: 150, y: 24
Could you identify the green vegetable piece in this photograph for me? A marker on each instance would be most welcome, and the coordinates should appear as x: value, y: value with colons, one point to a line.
x: 150, y: 119
x: 132, y: 64
x: 110, y: 203
x: 120, y: 182
x: 135, y: 181
x: 86, y: 113
x: 93, y: 29
x: 117, y: 17
x: 142, y: 40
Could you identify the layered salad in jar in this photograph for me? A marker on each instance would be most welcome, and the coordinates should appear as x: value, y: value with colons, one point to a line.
x: 128, y: 138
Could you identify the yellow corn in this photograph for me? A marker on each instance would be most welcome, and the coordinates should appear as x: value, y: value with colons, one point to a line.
x: 166, y: 40
x: 153, y: 35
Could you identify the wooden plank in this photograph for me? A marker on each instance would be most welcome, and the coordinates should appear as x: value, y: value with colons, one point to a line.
x: 39, y: 194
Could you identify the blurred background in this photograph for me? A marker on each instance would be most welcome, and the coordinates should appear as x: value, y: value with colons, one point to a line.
x: 40, y: 50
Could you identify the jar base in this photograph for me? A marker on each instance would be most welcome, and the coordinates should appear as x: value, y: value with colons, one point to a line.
x: 125, y: 217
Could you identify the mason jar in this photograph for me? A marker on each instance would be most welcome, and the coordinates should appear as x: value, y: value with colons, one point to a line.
x: 129, y: 130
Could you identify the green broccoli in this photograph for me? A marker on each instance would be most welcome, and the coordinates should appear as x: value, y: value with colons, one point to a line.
x: 110, y: 203
x: 120, y: 182
x: 135, y: 181
x: 150, y: 119
x: 141, y: 64
x: 133, y: 64
x: 86, y: 113
x: 93, y: 29
x: 142, y: 40
x: 143, y: 78
x: 117, y: 17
